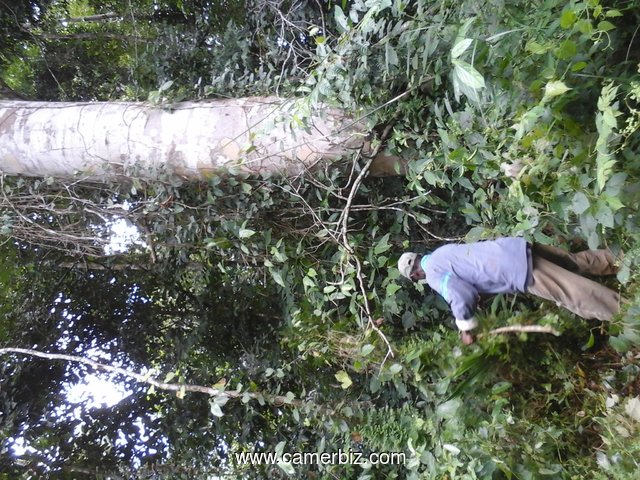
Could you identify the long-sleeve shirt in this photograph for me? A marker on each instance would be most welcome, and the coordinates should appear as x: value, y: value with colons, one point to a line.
x: 460, y: 272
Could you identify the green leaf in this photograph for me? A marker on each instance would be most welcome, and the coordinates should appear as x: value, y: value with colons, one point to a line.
x: 465, y: 27
x: 615, y: 203
x: 605, y: 26
x: 567, y: 19
x: 392, y: 288
x: 382, y: 245
x: 536, y: 48
x: 624, y: 274
x: 166, y: 85
x: 589, y: 343
x: 220, y: 242
x: 216, y: 410
x: 578, y: 66
x: 277, y: 277
x: 584, y: 26
x: 391, y: 57
x: 580, y: 203
x: 344, y: 379
x: 620, y: 344
x: 566, y: 50
x: 553, y: 89
x: 286, y: 467
x: 448, y: 409
x: 395, y: 369
x: 613, y: 13
x: 466, y: 183
x: 605, y: 124
x: 475, y: 234
x: 604, y: 216
x: 605, y: 167
x: 246, y: 233
x: 451, y: 448
x: 375, y: 384
x: 468, y: 75
x: 500, y: 387
x: 341, y: 19
x: 554, y: 470
x: 528, y: 120
x: 632, y: 408
x: 460, y: 47
x: 408, y: 320
x: 367, y: 349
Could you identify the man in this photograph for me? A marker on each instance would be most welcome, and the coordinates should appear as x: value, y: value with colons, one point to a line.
x: 459, y: 273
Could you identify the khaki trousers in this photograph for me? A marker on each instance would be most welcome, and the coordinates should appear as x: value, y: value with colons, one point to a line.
x: 557, y: 276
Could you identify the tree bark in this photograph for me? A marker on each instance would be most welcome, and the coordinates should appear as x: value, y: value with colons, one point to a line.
x: 109, y: 141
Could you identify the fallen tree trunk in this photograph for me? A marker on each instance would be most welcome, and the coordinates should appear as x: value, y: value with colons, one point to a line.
x: 111, y: 141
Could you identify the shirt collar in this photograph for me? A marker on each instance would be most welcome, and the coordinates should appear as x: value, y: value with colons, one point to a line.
x: 423, y: 265
x: 424, y: 261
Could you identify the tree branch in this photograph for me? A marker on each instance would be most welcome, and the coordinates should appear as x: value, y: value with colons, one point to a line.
x: 277, y: 400
x: 522, y: 329
x: 344, y: 219
x: 89, y: 36
x: 91, y: 18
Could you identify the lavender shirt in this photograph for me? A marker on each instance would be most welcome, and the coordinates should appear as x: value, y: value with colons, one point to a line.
x: 460, y: 272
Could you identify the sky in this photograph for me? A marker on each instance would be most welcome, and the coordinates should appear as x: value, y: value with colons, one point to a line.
x: 95, y: 389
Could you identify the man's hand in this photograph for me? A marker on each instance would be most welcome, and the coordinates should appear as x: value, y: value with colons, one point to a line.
x: 467, y: 338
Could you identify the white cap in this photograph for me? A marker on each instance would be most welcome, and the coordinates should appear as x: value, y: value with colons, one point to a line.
x: 405, y: 264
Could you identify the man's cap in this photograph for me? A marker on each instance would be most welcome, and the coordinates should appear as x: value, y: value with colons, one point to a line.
x: 406, y: 262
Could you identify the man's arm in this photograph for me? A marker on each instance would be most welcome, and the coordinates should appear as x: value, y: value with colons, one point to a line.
x: 462, y: 298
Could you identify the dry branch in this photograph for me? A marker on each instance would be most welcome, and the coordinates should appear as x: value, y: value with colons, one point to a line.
x: 277, y: 400
x: 522, y: 329
x: 344, y: 220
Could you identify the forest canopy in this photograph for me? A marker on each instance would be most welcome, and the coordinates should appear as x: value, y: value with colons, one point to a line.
x: 251, y: 311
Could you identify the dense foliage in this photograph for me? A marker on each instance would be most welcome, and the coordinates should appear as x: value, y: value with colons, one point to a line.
x: 515, y: 118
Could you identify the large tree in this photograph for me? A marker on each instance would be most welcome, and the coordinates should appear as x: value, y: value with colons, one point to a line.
x: 106, y: 141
